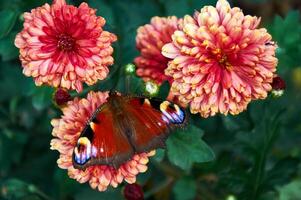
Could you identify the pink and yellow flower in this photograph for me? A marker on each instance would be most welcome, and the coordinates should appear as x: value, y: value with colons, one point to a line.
x: 63, y: 46
x: 66, y: 131
x: 149, y: 41
x: 220, y: 60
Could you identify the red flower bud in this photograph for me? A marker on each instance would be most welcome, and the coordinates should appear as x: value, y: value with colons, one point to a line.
x: 278, y: 86
x: 133, y: 192
x: 278, y: 83
x: 61, y: 96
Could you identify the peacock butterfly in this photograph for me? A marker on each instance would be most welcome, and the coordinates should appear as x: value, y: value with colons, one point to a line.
x: 124, y: 126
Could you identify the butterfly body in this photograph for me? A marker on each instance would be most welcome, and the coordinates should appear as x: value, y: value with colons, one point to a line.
x: 124, y: 126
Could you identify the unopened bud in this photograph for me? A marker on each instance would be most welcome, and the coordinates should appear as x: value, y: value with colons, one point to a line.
x: 151, y: 88
x: 231, y: 197
x: 61, y: 96
x: 278, y: 86
x: 133, y: 192
x: 130, y: 69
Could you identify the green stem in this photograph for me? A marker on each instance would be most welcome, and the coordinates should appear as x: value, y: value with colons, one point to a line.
x: 271, y: 130
x: 43, y: 195
x: 259, y: 173
x: 204, y: 192
x: 128, y: 84
x: 172, y: 174
x: 159, y: 187
x: 168, y: 169
x: 38, y: 192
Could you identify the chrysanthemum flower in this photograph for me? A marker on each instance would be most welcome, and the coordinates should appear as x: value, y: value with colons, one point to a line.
x: 149, y: 41
x: 66, y: 132
x: 64, y: 46
x: 220, y: 60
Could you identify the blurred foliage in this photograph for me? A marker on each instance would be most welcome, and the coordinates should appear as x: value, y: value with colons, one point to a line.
x: 287, y: 34
x: 290, y: 191
x: 255, y: 155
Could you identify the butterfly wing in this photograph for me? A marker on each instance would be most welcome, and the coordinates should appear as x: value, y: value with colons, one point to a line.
x: 124, y: 126
x: 102, y: 142
x: 151, y: 121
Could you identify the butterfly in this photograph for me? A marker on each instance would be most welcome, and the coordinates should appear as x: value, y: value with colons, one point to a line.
x: 124, y: 126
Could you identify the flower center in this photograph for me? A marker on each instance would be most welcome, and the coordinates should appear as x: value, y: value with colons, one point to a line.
x: 65, y: 42
x: 222, y: 59
x: 224, y: 62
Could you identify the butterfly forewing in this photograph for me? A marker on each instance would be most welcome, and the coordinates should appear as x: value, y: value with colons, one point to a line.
x: 101, y: 142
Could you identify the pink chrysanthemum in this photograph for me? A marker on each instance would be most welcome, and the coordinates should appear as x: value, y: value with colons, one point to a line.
x: 221, y: 60
x: 66, y: 132
x: 63, y: 46
x: 149, y: 41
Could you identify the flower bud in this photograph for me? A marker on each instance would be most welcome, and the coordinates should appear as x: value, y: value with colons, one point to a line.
x: 61, y: 96
x: 231, y: 197
x: 133, y: 192
x: 130, y: 69
x: 278, y: 86
x: 151, y: 88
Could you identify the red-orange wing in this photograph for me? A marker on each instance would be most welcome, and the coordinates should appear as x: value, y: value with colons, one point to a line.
x: 102, y: 142
x: 151, y: 121
x: 124, y: 126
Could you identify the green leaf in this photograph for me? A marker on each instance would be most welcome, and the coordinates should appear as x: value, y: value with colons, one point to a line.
x: 11, y: 146
x: 290, y: 191
x: 42, y: 97
x: 103, y: 10
x: 164, y: 90
x: 96, y: 195
x: 282, y: 171
x: 287, y: 33
x: 181, y: 8
x: 185, y: 189
x: 257, y: 1
x: 256, y: 146
x: 63, y: 184
x: 8, y: 51
x: 159, y: 156
x: 176, y: 7
x: 14, y: 188
x: 7, y: 21
x: 136, y: 84
x: 268, y: 196
x: 18, y: 189
x: 126, y: 25
x: 185, y: 147
x: 13, y: 82
x: 230, y: 123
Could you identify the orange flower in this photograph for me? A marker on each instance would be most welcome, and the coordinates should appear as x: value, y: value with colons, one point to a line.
x: 66, y: 131
x: 220, y: 60
x: 149, y: 41
x: 64, y: 46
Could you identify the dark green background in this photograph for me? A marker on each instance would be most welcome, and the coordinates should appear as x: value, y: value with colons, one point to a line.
x: 257, y: 153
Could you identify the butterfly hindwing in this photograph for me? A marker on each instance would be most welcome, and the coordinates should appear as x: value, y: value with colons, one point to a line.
x: 151, y: 121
